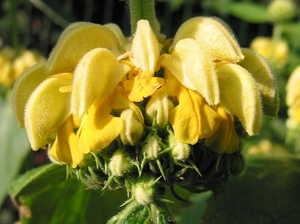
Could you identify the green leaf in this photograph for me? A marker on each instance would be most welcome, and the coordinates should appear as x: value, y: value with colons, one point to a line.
x: 14, y: 147
x: 292, y: 31
x: 268, y: 192
x: 249, y: 12
x: 142, y: 214
x: 44, y: 195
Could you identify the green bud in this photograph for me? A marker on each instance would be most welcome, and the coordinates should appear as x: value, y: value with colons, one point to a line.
x: 120, y: 163
x: 133, y: 129
x: 158, y: 108
x: 152, y: 147
x: 282, y: 10
x: 179, y: 150
x: 143, y: 191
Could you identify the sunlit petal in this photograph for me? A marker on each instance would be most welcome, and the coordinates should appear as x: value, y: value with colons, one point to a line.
x: 24, y: 86
x: 192, y: 65
x: 145, y: 47
x: 240, y: 96
x: 76, y: 40
x: 47, y: 108
x: 95, y: 77
x: 213, y: 33
x: 265, y: 80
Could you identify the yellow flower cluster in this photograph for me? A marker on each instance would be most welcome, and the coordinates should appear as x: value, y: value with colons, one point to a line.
x: 11, y: 66
x: 293, y: 96
x: 98, y: 86
x: 275, y: 52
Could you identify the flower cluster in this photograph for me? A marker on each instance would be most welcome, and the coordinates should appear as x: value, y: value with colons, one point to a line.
x: 293, y: 97
x: 276, y: 52
x: 143, y: 111
x: 11, y: 66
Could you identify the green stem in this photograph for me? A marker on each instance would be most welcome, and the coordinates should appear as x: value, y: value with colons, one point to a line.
x: 277, y: 32
x: 141, y: 9
x: 14, y: 26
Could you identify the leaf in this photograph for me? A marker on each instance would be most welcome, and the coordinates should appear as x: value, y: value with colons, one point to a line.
x: 268, y: 192
x: 14, y: 147
x: 136, y: 213
x: 44, y: 195
x: 249, y: 12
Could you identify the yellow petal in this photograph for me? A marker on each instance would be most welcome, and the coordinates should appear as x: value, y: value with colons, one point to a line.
x: 225, y: 139
x: 145, y: 47
x: 118, y: 33
x: 213, y: 33
x: 95, y: 77
x: 193, y: 119
x: 100, y: 128
x: 65, y: 148
x: 140, y: 86
x: 193, y: 67
x: 76, y: 40
x: 24, y: 86
x: 240, y: 96
x: 265, y: 80
x: 47, y: 108
x: 292, y: 87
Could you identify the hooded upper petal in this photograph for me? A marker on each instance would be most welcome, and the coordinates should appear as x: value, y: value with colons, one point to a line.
x: 47, y: 108
x: 95, y: 77
x: 76, y: 40
x: 27, y: 82
x: 265, y: 80
x: 192, y: 65
x: 240, y: 96
x: 145, y: 48
x: 213, y: 33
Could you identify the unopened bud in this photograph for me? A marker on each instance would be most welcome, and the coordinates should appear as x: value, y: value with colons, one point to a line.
x: 133, y: 129
x: 158, y: 108
x: 282, y: 10
x: 143, y: 191
x: 179, y: 150
x: 120, y: 163
x: 152, y: 147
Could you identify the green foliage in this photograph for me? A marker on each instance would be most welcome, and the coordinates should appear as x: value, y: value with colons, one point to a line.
x: 268, y: 192
x: 44, y: 195
x: 14, y: 146
x: 249, y: 12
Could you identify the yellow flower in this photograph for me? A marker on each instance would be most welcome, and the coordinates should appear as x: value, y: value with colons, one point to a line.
x: 275, y: 52
x: 43, y: 94
x: 145, y: 52
x: 11, y: 66
x: 213, y: 70
x: 293, y: 94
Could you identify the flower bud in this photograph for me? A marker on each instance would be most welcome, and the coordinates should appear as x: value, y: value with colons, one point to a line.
x: 179, y: 150
x: 152, y: 147
x: 282, y: 10
x: 132, y: 129
x: 120, y: 163
x: 143, y: 191
x: 158, y: 108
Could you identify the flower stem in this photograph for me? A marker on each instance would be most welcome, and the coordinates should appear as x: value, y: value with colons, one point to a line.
x: 141, y: 9
x: 14, y: 26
